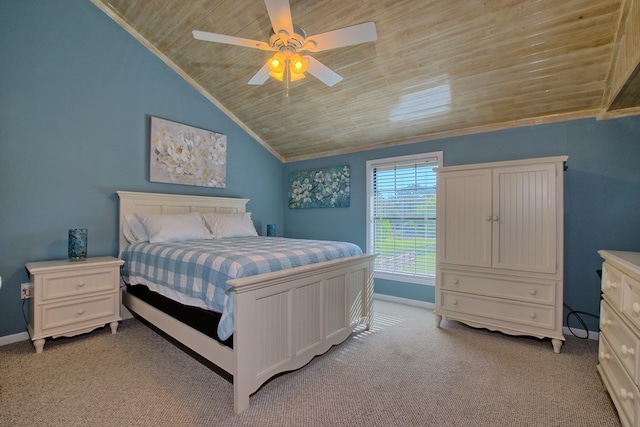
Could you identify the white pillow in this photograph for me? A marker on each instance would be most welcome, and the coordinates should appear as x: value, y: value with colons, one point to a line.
x: 133, y: 230
x: 174, y: 227
x: 230, y: 225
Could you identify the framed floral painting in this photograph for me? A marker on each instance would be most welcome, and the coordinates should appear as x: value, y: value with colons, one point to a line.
x: 182, y: 154
x: 320, y: 188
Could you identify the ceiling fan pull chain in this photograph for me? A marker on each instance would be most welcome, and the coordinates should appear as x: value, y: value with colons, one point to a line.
x: 287, y: 77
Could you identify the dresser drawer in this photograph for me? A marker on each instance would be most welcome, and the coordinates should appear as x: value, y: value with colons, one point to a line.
x: 507, y: 312
x: 612, y: 284
x: 531, y: 290
x: 622, y: 390
x: 624, y: 343
x: 79, y: 313
x: 631, y: 299
x: 70, y: 283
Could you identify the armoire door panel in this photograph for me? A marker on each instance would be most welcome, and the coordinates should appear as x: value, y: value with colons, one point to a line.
x: 524, y: 231
x: 467, y: 209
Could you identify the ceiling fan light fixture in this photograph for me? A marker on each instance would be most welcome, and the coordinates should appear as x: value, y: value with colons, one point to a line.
x: 277, y: 76
x: 295, y: 76
x: 298, y: 64
x: 277, y: 63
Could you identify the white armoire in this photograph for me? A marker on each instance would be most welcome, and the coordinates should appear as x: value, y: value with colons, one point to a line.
x: 500, y: 246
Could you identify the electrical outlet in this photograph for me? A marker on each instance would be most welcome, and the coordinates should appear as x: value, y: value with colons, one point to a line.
x: 26, y: 291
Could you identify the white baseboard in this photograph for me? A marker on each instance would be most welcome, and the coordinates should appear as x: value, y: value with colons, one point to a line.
x: 405, y: 301
x: 10, y: 339
x: 581, y: 333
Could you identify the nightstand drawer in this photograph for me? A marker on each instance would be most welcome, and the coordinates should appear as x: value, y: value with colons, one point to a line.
x: 79, y: 313
x: 66, y: 284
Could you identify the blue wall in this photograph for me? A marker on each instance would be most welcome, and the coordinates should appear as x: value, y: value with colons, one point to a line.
x: 77, y: 92
x: 76, y: 95
x: 602, y: 195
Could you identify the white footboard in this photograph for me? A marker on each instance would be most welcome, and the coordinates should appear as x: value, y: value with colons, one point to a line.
x: 282, y: 319
x: 287, y: 318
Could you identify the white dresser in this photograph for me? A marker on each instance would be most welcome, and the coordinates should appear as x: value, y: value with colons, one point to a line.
x: 71, y: 298
x: 618, y: 357
x: 500, y: 246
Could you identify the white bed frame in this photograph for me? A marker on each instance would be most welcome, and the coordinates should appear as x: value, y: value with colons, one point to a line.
x: 282, y: 319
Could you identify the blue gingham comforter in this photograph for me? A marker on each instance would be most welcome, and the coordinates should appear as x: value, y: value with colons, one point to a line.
x: 201, y: 268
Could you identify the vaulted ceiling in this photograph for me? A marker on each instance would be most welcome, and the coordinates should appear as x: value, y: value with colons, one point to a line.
x: 437, y: 69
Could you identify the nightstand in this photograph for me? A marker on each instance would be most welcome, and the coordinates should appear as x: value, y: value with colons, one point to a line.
x: 71, y: 298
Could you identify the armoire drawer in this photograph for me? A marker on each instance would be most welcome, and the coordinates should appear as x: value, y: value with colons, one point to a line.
x: 623, y: 341
x: 504, y: 311
x: 521, y: 289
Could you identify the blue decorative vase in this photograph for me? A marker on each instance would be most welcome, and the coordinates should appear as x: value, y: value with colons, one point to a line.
x: 271, y: 230
x: 77, y: 244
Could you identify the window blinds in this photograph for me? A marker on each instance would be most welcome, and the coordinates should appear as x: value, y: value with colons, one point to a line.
x: 403, y: 217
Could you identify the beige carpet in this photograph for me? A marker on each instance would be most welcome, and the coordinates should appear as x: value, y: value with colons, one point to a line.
x: 404, y: 372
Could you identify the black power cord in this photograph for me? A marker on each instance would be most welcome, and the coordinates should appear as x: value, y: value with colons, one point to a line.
x: 576, y: 314
x: 24, y: 315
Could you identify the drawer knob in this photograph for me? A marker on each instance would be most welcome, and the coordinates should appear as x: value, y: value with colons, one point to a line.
x: 627, y: 350
x: 494, y: 218
x: 533, y: 292
x: 488, y: 218
x: 636, y: 307
x: 611, y: 285
x: 455, y: 281
x: 604, y: 322
x: 80, y: 311
x: 454, y: 302
x: 624, y: 394
x: 605, y: 356
x: 532, y: 315
x: 80, y: 284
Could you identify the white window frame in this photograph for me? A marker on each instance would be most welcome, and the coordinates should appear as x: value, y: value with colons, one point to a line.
x: 389, y: 161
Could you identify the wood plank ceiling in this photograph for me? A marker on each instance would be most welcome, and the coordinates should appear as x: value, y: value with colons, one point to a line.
x: 438, y: 68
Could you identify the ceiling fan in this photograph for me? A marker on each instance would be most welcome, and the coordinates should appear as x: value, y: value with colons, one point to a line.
x: 288, y: 40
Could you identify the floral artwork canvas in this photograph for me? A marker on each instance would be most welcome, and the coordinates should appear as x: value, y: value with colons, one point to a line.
x: 181, y: 154
x: 320, y: 188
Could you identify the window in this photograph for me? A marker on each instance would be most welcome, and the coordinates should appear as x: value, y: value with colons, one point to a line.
x: 401, y: 216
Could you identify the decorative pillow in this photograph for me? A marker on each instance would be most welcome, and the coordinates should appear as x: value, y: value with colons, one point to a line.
x: 230, y: 225
x: 133, y: 230
x: 174, y: 227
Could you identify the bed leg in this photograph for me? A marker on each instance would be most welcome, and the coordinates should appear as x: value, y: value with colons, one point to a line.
x: 369, y: 323
x: 240, y: 400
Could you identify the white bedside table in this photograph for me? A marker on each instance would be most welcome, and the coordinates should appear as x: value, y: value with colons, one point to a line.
x: 71, y: 298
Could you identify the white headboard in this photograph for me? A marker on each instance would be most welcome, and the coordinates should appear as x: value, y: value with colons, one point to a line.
x: 155, y: 203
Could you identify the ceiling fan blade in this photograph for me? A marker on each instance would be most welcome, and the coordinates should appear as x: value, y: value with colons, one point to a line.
x: 221, y: 38
x: 320, y: 71
x: 347, y: 36
x: 261, y: 76
x: 280, y: 15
